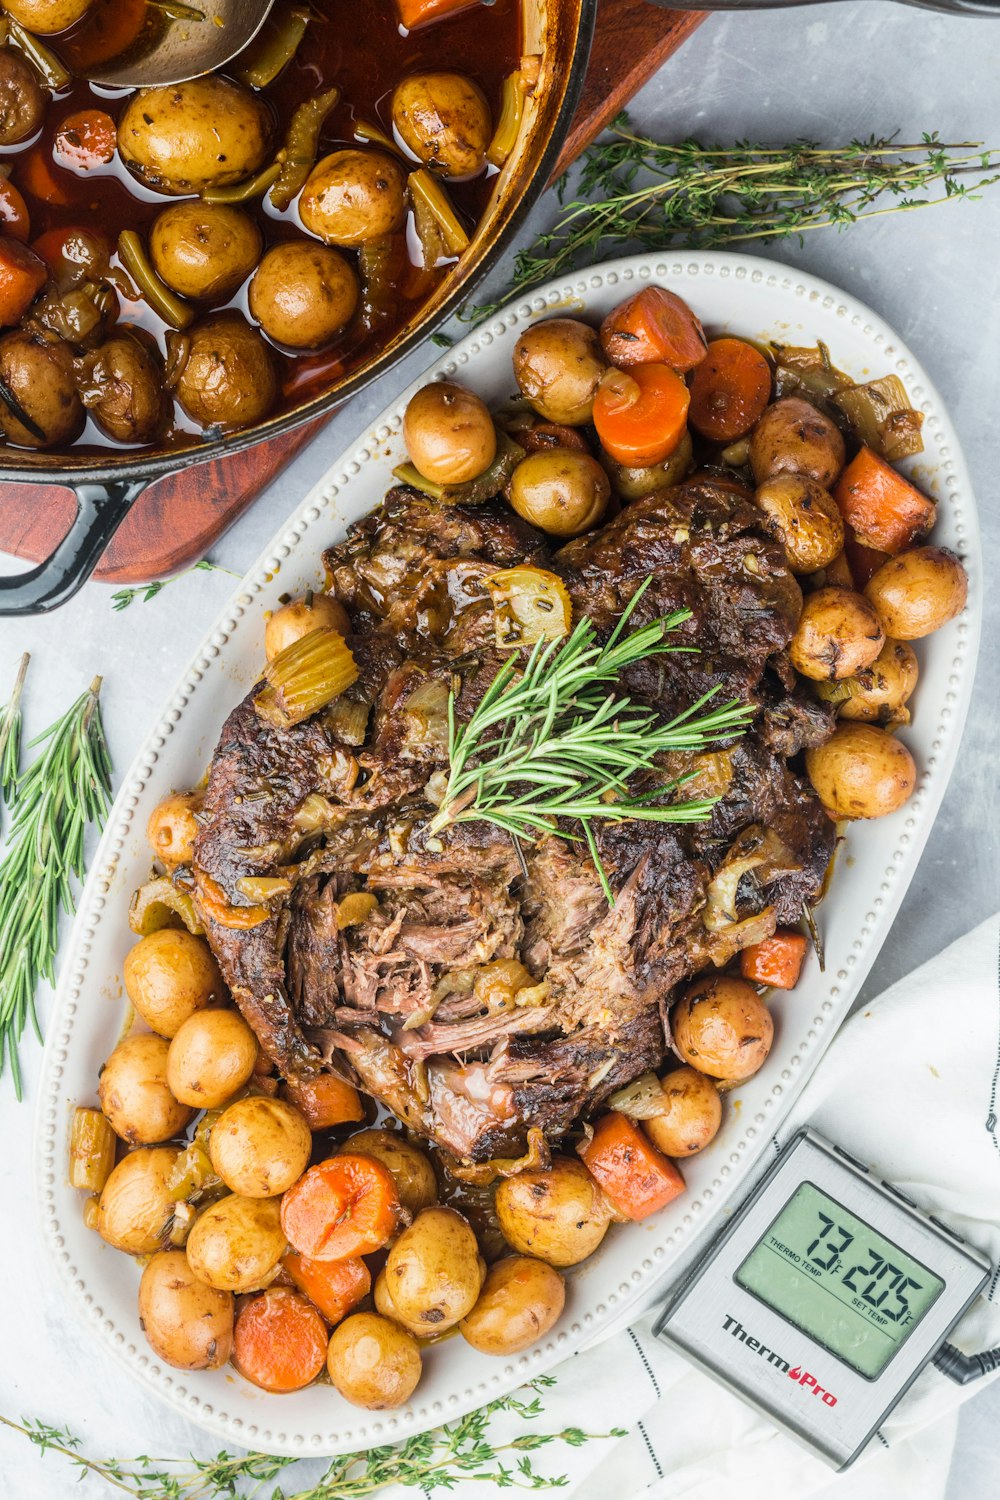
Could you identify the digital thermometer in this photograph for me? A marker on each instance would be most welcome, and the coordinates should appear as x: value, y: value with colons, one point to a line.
x: 824, y: 1298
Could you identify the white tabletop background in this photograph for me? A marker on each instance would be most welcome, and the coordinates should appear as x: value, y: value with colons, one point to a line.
x: 829, y: 72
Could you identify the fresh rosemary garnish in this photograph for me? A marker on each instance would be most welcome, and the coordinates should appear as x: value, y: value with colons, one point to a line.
x: 146, y: 591
x: 10, y: 736
x: 63, y: 791
x: 460, y: 1451
x: 641, y: 194
x: 553, y: 739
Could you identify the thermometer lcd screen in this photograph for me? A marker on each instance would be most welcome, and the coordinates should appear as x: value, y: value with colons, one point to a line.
x: 839, y: 1280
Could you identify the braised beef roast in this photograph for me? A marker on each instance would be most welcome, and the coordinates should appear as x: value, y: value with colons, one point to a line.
x: 394, y: 992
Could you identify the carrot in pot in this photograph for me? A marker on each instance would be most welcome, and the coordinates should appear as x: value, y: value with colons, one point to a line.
x: 345, y: 1206
x: 885, y: 511
x: 325, y: 1100
x: 414, y: 13
x: 776, y: 961
x: 864, y: 562
x: 729, y: 390
x: 14, y: 216
x: 279, y: 1341
x: 633, y: 1174
x: 640, y: 415
x: 86, y: 139
x: 334, y: 1286
x: 22, y: 276
x: 109, y: 27
x: 37, y: 177
x: 653, y: 327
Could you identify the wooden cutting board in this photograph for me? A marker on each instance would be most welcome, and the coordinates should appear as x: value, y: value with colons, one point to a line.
x: 177, y: 519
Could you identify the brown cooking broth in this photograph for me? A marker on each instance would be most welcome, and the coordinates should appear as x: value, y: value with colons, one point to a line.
x: 355, y: 44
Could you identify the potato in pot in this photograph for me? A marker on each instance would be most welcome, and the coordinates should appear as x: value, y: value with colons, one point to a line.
x: 189, y: 1325
x: 792, y: 437
x: 260, y: 1146
x: 411, y: 1170
x: 434, y: 1271
x: 444, y: 120
x: 352, y: 197
x: 39, y: 375
x: 861, y: 772
x: 721, y: 1027
x: 136, y: 1206
x: 837, y: 635
x: 558, y: 1215
x: 169, y: 975
x: 186, y: 137
x: 22, y: 99
x: 135, y: 1095
x: 46, y: 17
x: 522, y: 1298
x: 304, y: 295
x: 373, y: 1362
x: 228, y: 377
x: 236, y: 1244
x: 204, y: 250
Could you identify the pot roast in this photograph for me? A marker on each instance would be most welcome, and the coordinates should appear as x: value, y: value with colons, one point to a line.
x: 411, y: 988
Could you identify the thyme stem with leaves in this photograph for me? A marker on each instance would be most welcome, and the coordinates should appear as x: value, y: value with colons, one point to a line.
x: 460, y: 1451
x: 634, y: 192
x: 122, y: 598
x: 63, y: 791
x: 10, y: 736
x: 552, y: 738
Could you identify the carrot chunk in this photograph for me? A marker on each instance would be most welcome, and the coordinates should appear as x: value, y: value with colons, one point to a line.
x: 633, y: 1174
x: 279, y: 1341
x: 884, y: 510
x: 653, y: 327
x: 334, y: 1286
x: 86, y: 139
x: 345, y: 1206
x: 641, y: 415
x: 22, y: 276
x: 36, y: 176
x: 325, y: 1101
x: 864, y: 562
x: 729, y: 390
x: 14, y: 214
x: 414, y: 13
x: 776, y: 961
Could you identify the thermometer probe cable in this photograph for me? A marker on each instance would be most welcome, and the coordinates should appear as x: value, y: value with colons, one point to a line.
x: 964, y: 1368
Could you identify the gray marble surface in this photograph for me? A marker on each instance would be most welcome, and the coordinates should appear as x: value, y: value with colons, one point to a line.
x: 828, y: 73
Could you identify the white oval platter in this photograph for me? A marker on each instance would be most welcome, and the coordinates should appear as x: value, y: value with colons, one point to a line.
x: 737, y: 294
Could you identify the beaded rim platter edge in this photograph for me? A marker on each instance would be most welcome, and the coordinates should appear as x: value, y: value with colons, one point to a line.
x: 741, y: 294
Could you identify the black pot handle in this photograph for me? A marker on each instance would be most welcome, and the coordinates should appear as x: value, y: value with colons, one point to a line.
x: 101, y: 508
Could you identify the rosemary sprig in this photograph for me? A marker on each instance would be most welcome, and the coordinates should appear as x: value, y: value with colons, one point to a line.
x: 63, y: 791
x: 634, y: 192
x: 146, y: 591
x: 551, y: 739
x: 460, y: 1451
x: 10, y: 736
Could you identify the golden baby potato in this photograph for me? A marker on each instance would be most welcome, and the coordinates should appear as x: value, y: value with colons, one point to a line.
x: 521, y: 1300
x: 692, y: 1116
x: 722, y: 1027
x: 861, y: 772
x: 237, y: 1243
x: 204, y: 250
x: 558, y: 1214
x: 373, y: 1362
x: 917, y: 592
x: 792, y: 437
x: 838, y: 634
x: 135, y: 1095
x: 173, y: 827
x: 260, y: 1146
x: 434, y: 1271
x: 170, y: 974
x: 188, y: 1325
x: 211, y: 1058
x: 558, y: 366
x: 136, y: 1206
x: 185, y: 137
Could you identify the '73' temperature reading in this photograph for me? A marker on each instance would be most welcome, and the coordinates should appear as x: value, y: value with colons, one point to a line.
x: 828, y: 1250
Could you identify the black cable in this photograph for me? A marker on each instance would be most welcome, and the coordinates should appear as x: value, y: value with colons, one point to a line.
x: 964, y: 1368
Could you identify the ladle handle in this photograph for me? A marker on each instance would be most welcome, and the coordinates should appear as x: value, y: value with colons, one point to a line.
x: 101, y: 508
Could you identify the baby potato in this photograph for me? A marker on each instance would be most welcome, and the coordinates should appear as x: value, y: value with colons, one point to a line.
x: 434, y: 1271
x: 443, y: 118
x: 917, y: 592
x: 189, y: 1325
x: 237, y: 1243
x: 720, y: 1026
x: 521, y: 1300
x: 260, y: 1146
x: 411, y: 1171
x: 120, y: 382
x: 169, y: 975
x: 792, y: 437
x: 41, y: 378
x: 210, y: 1059
x: 861, y: 772
x: 558, y: 1215
x: 373, y: 1362
x: 303, y: 295
x: 837, y: 635
x: 290, y: 623
x: 351, y: 197
x: 173, y: 828
x: 631, y: 483
x: 804, y: 518
x: 134, y: 1093
x: 228, y: 378
x: 185, y: 137
x: 693, y: 1115
x: 558, y: 365
x: 46, y: 17
x: 136, y: 1206
x: 879, y: 693
x: 560, y: 491
x: 204, y: 250
x: 449, y: 433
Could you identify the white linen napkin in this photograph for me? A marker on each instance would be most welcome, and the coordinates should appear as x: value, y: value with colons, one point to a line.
x: 910, y: 1085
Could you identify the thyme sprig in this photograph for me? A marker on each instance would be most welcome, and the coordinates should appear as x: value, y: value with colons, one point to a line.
x: 62, y: 792
x: 637, y: 193
x: 122, y: 598
x: 10, y: 736
x: 460, y: 1451
x: 552, y: 738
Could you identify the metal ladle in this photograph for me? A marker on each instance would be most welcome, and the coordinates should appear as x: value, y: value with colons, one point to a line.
x: 200, y: 36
